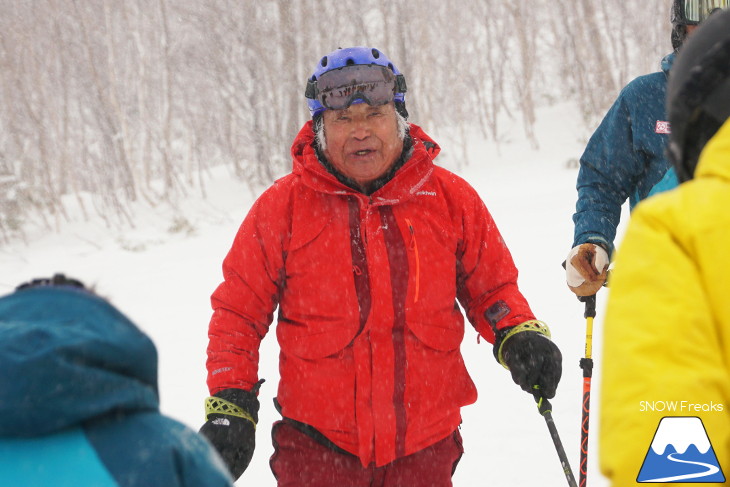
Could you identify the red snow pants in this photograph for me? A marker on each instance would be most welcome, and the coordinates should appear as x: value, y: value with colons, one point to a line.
x: 300, y: 461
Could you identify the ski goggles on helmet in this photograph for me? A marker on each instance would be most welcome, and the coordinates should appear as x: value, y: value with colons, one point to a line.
x: 696, y: 11
x: 369, y: 83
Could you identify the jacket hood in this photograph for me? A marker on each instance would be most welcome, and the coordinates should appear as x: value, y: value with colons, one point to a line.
x: 68, y: 356
x: 715, y: 158
x: 414, y: 171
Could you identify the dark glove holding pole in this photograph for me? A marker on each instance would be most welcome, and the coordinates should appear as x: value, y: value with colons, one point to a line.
x: 231, y: 417
x: 532, y: 358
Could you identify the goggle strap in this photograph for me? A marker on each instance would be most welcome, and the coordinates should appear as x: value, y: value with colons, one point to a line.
x: 311, y: 90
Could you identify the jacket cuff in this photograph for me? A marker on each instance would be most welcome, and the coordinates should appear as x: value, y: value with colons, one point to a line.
x: 601, y: 242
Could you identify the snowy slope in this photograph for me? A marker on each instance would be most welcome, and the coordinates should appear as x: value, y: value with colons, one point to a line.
x: 162, y: 279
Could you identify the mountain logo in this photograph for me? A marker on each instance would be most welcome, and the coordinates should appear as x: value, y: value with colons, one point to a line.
x: 681, y: 452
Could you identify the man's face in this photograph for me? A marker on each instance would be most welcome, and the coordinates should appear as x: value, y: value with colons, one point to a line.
x: 362, y: 140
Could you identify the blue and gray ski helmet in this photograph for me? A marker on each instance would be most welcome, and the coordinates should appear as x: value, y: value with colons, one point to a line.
x: 698, y: 93
x: 354, y: 56
x: 691, y: 12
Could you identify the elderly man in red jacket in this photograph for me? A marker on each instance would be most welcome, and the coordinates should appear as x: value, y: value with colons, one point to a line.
x: 365, y: 248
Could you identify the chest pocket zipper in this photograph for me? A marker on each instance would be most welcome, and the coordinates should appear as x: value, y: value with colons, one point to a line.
x: 413, y: 246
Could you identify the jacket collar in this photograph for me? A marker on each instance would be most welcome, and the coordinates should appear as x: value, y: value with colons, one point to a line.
x: 667, y: 62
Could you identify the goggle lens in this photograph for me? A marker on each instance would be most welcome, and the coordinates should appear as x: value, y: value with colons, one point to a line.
x: 339, y: 88
x: 696, y: 11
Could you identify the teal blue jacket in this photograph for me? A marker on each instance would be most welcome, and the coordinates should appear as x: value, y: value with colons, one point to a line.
x: 624, y: 159
x: 79, y: 401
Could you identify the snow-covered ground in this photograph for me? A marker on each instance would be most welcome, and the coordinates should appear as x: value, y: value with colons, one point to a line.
x: 161, y: 275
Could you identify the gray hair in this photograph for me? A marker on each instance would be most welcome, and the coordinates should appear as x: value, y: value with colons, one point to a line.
x: 321, y: 140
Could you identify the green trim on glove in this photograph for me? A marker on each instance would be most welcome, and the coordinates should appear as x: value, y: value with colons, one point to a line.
x: 532, y: 325
x: 216, y: 405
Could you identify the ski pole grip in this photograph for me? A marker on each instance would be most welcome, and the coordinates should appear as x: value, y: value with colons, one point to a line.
x: 543, y: 405
x: 590, y: 302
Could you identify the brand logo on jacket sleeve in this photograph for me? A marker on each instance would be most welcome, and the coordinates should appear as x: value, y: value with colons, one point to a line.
x: 496, y: 312
x: 663, y: 127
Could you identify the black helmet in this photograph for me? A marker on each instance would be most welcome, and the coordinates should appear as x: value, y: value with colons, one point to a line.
x: 691, y: 12
x: 56, y: 280
x: 698, y: 94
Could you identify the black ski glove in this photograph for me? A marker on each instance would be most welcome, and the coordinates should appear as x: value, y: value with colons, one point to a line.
x: 231, y: 417
x: 534, y: 361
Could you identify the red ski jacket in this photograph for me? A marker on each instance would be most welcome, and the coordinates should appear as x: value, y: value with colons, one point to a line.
x: 367, y: 287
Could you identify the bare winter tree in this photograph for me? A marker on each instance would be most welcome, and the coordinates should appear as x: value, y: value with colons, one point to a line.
x: 525, y: 22
x: 112, y: 103
x: 604, y: 45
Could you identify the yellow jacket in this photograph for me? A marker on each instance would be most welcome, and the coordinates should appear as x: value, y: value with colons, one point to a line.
x: 666, y: 345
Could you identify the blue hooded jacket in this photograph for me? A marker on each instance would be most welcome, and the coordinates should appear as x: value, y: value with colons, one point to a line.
x: 79, y: 403
x: 624, y: 159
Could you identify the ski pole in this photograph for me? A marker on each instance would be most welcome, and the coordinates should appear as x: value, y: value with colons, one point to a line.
x: 586, y: 363
x: 545, y: 409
